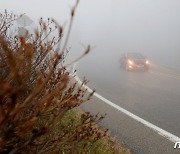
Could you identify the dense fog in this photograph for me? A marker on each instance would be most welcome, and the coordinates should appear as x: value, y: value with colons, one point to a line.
x: 151, y: 27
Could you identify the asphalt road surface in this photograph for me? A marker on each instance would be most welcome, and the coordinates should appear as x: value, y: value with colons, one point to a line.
x: 154, y: 96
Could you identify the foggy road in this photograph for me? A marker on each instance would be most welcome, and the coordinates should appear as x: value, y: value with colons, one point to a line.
x: 153, y: 95
x: 113, y: 27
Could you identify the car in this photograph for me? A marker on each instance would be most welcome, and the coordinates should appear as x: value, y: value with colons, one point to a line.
x: 134, y: 61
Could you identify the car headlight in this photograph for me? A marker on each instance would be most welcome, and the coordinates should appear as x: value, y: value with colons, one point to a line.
x: 130, y: 62
x: 130, y: 66
x: 147, y: 62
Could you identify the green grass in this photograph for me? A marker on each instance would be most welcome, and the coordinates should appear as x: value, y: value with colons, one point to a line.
x: 105, y: 145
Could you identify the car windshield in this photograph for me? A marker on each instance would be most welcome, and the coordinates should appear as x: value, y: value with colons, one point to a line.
x: 135, y: 55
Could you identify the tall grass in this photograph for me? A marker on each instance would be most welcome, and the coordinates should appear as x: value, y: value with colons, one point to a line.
x: 36, y: 92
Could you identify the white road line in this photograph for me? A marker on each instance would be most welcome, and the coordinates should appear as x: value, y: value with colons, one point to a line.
x: 166, y: 75
x: 160, y: 131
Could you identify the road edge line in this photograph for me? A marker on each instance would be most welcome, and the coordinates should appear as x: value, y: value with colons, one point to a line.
x: 171, y: 137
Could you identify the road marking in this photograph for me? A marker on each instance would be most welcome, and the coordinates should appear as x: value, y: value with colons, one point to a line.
x: 171, y: 137
x: 166, y: 74
x: 165, y: 71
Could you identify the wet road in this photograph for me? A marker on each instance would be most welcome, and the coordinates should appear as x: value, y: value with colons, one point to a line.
x: 153, y: 95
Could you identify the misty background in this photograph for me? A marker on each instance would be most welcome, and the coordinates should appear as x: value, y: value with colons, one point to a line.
x: 112, y: 27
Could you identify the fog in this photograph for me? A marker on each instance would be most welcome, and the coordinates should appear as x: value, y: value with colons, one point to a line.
x: 151, y: 27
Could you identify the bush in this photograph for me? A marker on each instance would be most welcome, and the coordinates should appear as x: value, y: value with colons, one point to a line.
x: 36, y: 92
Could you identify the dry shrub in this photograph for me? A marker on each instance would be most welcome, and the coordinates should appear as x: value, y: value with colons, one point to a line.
x: 36, y: 92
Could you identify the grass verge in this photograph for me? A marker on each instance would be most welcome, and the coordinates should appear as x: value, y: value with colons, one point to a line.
x: 105, y: 145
